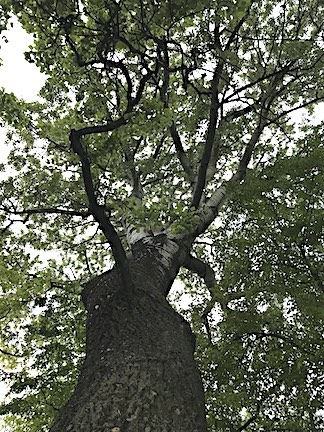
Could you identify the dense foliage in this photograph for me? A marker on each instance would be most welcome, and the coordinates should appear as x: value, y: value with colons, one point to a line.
x: 176, y: 102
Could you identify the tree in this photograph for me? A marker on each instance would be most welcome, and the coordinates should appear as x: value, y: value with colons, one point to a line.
x: 164, y: 142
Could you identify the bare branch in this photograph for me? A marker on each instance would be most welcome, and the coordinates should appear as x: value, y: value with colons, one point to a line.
x: 264, y: 77
x: 4, y: 352
x: 318, y: 98
x: 217, y: 140
x: 274, y: 335
x: 131, y: 103
x: 268, y: 98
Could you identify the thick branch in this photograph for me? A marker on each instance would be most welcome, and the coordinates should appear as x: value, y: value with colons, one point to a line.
x: 202, y: 269
x: 100, y: 212
x: 205, y: 271
x: 209, y: 211
x: 234, y: 114
x: 135, y: 177
x: 211, y: 208
x: 173, y: 130
x: 211, y: 131
x: 182, y: 156
x: 101, y: 128
x: 249, y: 149
x: 217, y: 141
x: 211, y: 169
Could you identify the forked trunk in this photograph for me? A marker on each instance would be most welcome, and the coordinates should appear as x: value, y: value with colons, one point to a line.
x: 139, y: 374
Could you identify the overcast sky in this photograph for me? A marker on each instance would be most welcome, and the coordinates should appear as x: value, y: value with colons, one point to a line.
x: 16, y: 75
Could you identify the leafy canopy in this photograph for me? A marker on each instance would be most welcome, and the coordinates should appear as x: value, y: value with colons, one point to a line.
x: 176, y: 106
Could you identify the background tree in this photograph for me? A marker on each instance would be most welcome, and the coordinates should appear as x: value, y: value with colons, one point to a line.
x: 153, y: 117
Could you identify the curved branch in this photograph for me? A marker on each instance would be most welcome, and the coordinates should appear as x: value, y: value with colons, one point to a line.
x: 4, y: 352
x: 101, y: 128
x: 202, y: 269
x: 205, y: 271
x: 100, y: 213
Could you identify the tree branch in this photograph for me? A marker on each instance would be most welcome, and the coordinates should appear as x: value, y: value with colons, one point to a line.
x: 249, y: 149
x: 318, y: 98
x: 4, y: 352
x: 202, y: 269
x: 211, y: 169
x: 101, y: 128
x: 236, y: 30
x: 209, y: 211
x: 315, y: 275
x: 234, y: 114
x: 100, y: 213
x: 182, y: 156
x: 211, y: 131
x: 211, y: 208
x: 131, y: 103
x: 205, y: 271
x: 269, y: 97
x: 250, y: 420
x: 47, y: 210
x: 135, y: 178
x: 264, y: 77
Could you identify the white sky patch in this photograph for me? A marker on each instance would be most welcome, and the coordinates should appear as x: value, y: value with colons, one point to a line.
x: 16, y: 74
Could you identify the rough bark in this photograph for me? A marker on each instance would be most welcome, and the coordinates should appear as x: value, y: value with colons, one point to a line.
x: 139, y: 373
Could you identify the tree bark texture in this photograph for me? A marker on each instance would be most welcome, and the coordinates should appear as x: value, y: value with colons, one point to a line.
x: 139, y: 374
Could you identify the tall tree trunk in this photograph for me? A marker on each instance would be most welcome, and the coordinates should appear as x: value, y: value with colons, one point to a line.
x: 139, y: 374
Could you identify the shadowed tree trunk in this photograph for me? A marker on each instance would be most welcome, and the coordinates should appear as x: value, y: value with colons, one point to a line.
x: 139, y: 373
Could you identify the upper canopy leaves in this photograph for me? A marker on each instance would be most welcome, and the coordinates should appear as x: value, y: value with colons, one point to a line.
x: 188, y: 90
